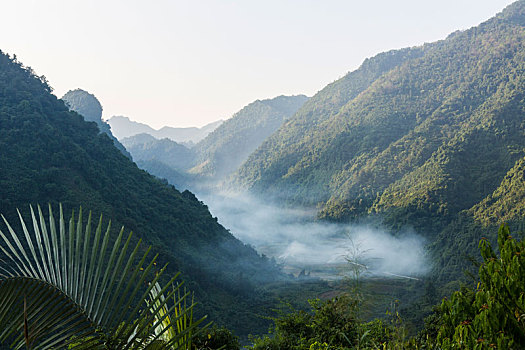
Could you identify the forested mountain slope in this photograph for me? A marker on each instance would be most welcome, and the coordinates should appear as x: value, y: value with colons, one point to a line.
x: 268, y: 166
x: 419, y: 134
x: 228, y: 146
x: 50, y: 155
x: 145, y: 147
x: 507, y: 202
x: 454, y: 246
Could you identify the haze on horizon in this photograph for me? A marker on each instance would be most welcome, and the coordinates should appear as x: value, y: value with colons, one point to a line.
x: 188, y: 63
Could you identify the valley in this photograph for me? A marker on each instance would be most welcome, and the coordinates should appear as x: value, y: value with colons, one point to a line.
x: 297, y: 241
x: 385, y: 211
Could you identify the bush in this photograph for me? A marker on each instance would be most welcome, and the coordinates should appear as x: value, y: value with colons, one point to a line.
x: 216, y: 338
x: 493, y: 315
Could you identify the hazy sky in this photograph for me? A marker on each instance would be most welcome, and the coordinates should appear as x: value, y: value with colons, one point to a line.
x: 187, y: 63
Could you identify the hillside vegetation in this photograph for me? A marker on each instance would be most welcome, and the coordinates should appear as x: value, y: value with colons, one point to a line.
x: 145, y: 147
x: 51, y: 155
x: 228, y: 146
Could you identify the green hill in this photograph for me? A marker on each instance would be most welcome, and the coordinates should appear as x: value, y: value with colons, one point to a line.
x: 417, y: 134
x: 284, y: 164
x: 454, y: 246
x: 50, y: 155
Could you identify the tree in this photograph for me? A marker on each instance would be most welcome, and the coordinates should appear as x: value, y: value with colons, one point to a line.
x: 61, y: 287
x: 493, y: 315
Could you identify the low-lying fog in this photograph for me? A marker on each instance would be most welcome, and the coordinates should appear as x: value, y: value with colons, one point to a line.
x: 296, y: 240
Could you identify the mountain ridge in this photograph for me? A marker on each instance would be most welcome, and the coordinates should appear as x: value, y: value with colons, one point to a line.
x: 123, y: 127
x: 221, y: 152
x: 228, y: 146
x: 366, y: 147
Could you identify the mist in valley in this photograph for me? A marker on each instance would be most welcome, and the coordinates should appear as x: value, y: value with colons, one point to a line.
x: 328, y: 250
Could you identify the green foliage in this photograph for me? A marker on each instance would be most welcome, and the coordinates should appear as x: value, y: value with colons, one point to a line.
x: 507, y: 202
x: 492, y: 315
x: 331, y: 324
x: 66, y: 286
x: 175, y: 325
x: 216, y: 338
x: 88, y: 106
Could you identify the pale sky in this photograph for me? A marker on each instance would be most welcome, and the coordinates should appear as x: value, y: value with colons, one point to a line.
x: 188, y: 63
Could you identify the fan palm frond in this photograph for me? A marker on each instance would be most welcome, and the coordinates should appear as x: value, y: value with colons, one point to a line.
x: 175, y: 324
x: 64, y: 285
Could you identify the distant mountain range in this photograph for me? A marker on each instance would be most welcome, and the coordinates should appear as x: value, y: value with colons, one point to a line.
x: 123, y: 127
x: 171, y: 153
x: 163, y: 158
x: 221, y: 152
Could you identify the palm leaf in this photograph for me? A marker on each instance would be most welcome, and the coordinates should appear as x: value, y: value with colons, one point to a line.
x: 62, y: 286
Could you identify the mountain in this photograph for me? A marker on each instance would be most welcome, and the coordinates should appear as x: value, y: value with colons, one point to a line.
x: 89, y: 107
x: 221, y: 152
x: 228, y: 146
x: 416, y: 135
x: 177, y: 178
x: 166, y: 159
x: 85, y: 104
x: 269, y: 166
x: 455, y: 244
x: 51, y: 155
x: 124, y: 127
x: 145, y: 147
